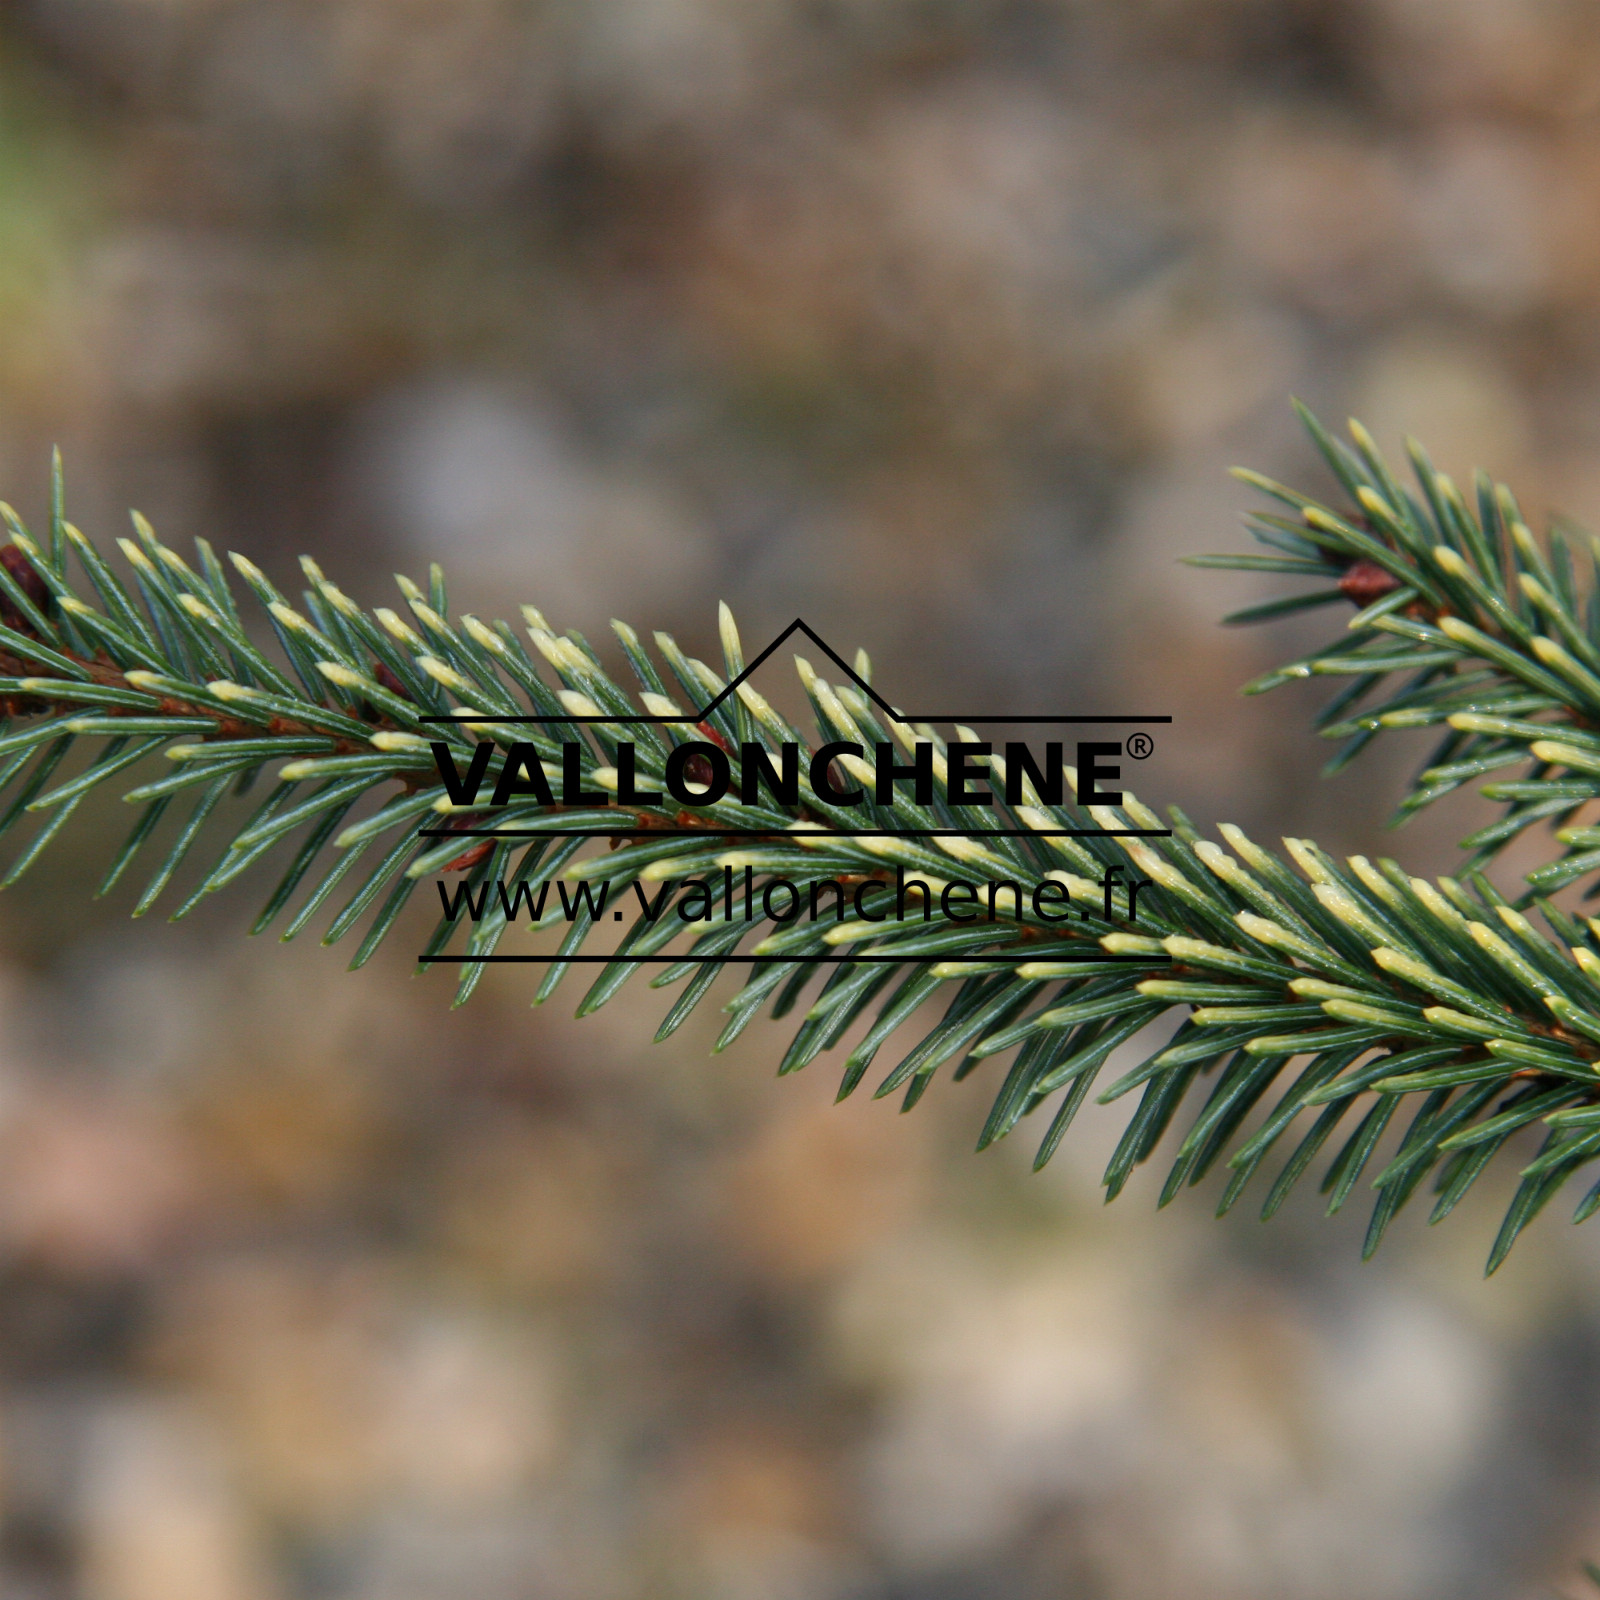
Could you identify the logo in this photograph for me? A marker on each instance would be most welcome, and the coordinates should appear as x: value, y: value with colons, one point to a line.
x: 847, y: 776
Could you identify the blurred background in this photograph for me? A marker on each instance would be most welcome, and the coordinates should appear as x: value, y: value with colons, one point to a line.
x: 936, y: 322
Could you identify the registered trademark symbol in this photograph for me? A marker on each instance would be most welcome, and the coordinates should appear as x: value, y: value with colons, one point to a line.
x: 1140, y: 746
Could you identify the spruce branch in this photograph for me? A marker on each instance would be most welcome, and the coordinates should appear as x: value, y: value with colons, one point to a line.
x: 1465, y: 622
x: 1310, y: 997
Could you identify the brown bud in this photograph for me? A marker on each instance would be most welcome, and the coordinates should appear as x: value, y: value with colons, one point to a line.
x: 1364, y: 581
x: 22, y: 573
x: 470, y: 858
x: 474, y: 853
x: 389, y: 680
x: 382, y: 674
x: 697, y: 770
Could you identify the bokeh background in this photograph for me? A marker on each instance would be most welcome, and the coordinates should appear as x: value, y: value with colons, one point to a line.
x: 937, y: 322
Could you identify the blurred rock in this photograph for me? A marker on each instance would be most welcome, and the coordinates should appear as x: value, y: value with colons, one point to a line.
x: 494, y: 478
x: 161, y: 1519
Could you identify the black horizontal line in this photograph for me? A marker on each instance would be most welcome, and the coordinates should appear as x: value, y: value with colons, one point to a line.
x: 782, y: 836
x: 698, y: 717
x: 1037, y: 719
x: 900, y: 960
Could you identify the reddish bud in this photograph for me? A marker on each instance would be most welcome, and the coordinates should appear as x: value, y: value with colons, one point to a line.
x: 470, y: 858
x: 1365, y: 581
x: 382, y: 675
x: 22, y: 573
x: 389, y: 680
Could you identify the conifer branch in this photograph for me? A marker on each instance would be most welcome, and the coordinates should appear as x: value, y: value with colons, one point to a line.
x: 1465, y: 623
x: 1343, y: 994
